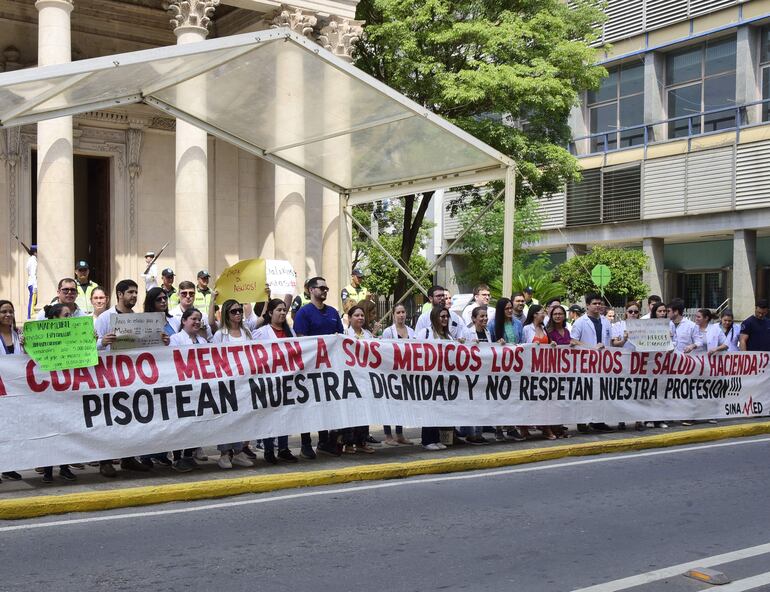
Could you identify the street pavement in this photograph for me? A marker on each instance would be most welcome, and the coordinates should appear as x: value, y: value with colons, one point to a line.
x: 555, y: 526
x: 89, y: 479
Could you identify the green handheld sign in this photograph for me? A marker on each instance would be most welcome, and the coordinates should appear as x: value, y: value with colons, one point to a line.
x: 601, y: 275
x: 61, y: 344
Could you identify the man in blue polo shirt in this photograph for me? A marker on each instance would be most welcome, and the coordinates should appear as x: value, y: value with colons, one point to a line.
x: 316, y: 318
x: 755, y: 331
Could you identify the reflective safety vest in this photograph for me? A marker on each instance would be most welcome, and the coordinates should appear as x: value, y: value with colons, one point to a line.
x: 202, y: 300
x: 351, y: 296
x: 84, y: 296
x: 298, y: 302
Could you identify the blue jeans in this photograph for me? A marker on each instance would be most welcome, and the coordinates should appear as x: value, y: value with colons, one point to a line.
x: 269, y: 443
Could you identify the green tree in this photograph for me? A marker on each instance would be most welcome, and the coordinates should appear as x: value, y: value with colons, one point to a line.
x: 506, y: 71
x: 626, y: 266
x: 380, y: 273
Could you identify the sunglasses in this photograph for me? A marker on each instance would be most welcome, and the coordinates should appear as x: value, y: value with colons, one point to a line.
x: 68, y: 290
x: 322, y: 288
x: 630, y: 311
x: 190, y: 294
x: 235, y: 311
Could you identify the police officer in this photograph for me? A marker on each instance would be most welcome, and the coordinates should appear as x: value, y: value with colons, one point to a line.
x: 167, y: 285
x: 354, y: 292
x: 85, y: 286
x: 202, y: 291
x: 151, y: 277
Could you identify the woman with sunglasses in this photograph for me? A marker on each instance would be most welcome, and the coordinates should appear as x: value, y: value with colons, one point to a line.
x: 620, y: 339
x: 156, y: 300
x: 274, y: 326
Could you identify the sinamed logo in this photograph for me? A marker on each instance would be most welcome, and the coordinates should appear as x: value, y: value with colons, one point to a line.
x: 750, y: 407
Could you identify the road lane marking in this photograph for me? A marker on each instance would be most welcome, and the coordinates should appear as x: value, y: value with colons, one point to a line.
x: 677, y: 570
x: 383, y: 485
x: 751, y: 583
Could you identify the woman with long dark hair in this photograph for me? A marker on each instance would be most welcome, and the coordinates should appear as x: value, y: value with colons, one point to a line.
x: 505, y: 328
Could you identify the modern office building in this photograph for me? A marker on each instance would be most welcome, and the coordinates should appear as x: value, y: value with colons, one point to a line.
x: 675, y: 151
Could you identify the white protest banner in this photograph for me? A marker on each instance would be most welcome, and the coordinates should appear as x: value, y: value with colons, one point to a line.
x: 138, y: 330
x: 140, y: 402
x: 281, y: 278
x: 650, y: 335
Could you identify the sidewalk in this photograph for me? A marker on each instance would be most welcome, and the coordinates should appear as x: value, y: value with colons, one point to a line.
x: 30, y: 496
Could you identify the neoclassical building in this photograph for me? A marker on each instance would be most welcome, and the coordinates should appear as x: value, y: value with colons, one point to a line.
x: 108, y: 185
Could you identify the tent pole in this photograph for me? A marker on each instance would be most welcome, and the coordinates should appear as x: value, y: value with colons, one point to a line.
x: 508, y: 217
x: 345, y: 244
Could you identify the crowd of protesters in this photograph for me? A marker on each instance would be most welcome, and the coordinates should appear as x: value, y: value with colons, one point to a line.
x: 193, y: 317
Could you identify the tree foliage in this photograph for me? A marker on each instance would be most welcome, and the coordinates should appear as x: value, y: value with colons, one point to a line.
x: 625, y: 284
x: 506, y: 71
x: 380, y: 273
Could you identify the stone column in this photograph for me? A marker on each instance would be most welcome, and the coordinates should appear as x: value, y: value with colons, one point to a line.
x: 55, y: 180
x: 653, y: 277
x: 654, y: 93
x: 337, y: 35
x: 747, y: 74
x: 574, y: 250
x: 744, y: 272
x: 191, y: 200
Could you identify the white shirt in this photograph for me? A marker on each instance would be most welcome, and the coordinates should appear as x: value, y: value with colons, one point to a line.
x: 684, y: 334
x: 716, y: 337
x: 177, y: 312
x: 427, y: 333
x: 364, y: 334
x: 583, y: 330
x: 456, y: 325
x: 468, y: 313
x: 102, y: 326
x: 151, y: 277
x: 182, y: 338
x: 528, y: 333
x: 391, y: 333
x: 17, y: 349
x: 265, y: 332
x: 470, y: 335
x: 222, y: 337
x: 618, y: 329
x: 32, y: 271
x: 76, y: 313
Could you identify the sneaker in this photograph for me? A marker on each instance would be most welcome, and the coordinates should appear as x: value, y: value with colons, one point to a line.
x: 131, y: 464
x: 224, y: 461
x: 200, y: 455
x: 39, y: 470
x: 349, y: 449
x: 307, y: 452
x: 583, y: 428
x: 78, y: 466
x: 241, y: 460
x: 499, y: 435
x: 662, y: 424
x: 476, y: 440
x: 162, y: 460
x: 434, y: 446
x: 329, y: 449
x: 181, y: 467
x: 249, y: 452
x: 270, y: 457
x: 515, y: 435
x: 441, y: 446
x: 286, y: 456
x: 106, y: 469
x: 12, y: 475
x: 688, y: 422
x: 48, y: 475
x: 649, y: 424
x: 66, y: 474
x: 712, y: 421
x: 372, y: 440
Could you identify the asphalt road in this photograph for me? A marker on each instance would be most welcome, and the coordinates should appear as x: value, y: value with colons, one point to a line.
x: 557, y: 526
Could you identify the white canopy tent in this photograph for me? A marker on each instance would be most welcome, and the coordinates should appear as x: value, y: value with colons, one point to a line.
x: 283, y: 98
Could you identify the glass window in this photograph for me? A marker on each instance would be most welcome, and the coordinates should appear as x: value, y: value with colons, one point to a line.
x: 684, y: 66
x: 604, y: 119
x: 631, y: 79
x: 684, y: 101
x: 720, y: 57
x: 607, y: 91
x: 764, y: 58
x: 702, y: 79
x: 631, y: 114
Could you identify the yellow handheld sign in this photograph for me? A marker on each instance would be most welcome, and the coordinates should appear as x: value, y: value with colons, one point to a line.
x: 243, y: 282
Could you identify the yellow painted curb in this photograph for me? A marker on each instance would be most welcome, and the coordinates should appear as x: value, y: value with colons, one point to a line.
x: 30, y: 507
